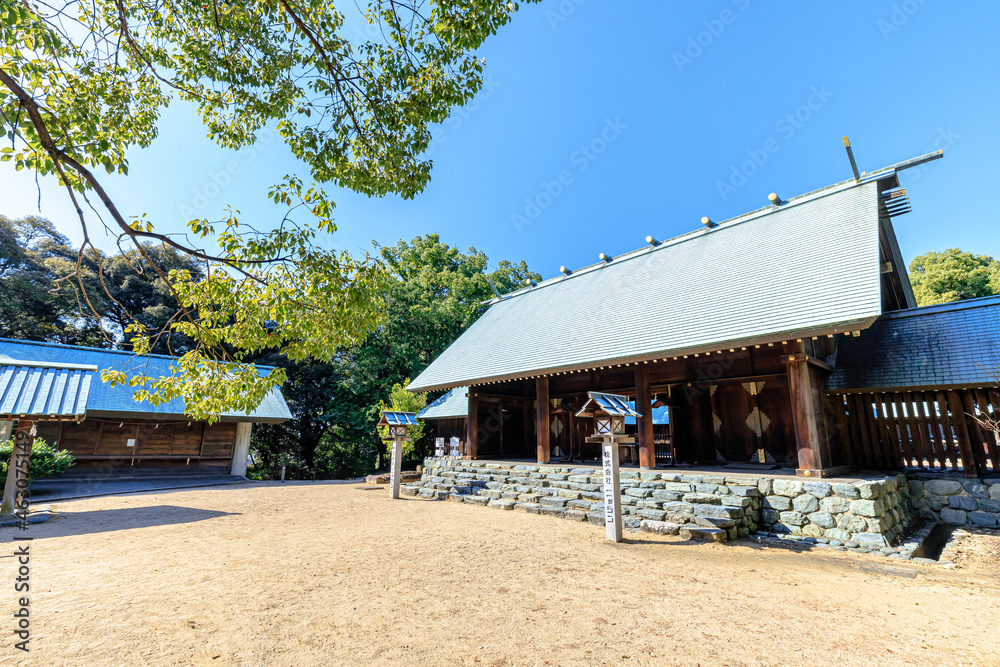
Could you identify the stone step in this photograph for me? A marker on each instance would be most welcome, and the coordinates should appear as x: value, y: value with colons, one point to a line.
x: 702, y: 534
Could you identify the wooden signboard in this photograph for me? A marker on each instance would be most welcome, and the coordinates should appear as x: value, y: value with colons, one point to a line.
x: 397, y: 464
x: 612, y: 492
x: 455, y: 447
x: 438, y: 446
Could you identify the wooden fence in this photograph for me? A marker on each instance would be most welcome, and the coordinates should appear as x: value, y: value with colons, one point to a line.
x: 929, y: 430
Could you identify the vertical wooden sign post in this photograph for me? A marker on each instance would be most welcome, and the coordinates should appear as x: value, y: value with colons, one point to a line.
x: 612, y: 492
x: 397, y: 424
x: 608, y: 412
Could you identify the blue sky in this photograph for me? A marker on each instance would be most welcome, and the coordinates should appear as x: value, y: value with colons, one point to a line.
x: 603, y: 122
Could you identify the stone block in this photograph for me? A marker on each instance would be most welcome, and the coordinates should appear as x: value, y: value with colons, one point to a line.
x: 679, y: 507
x: 575, y: 515
x: 870, y: 490
x: 963, y: 503
x: 764, y: 486
x: 851, y: 523
x: 676, y: 486
x: 664, y: 495
x: 529, y: 497
x: 501, y: 504
x: 822, y: 519
x: 995, y: 491
x: 984, y: 519
x: 649, y: 475
x: 780, y: 503
x: 530, y: 508
x: 975, y: 488
x: 867, y: 508
x: 736, y: 501
x: 659, y: 527
x: 652, y: 485
x: 691, y: 479
x: 580, y: 504
x: 787, y: 487
x: 639, y: 493
x: 702, y: 534
x: 848, y: 491
x: 702, y: 498
x: 916, y: 488
x: 710, y: 489
x: 935, y: 502
x: 769, y: 516
x: 953, y: 517
x: 748, y: 491
x: 477, y: 500
x: 870, y: 540
x: 943, y: 487
x: 551, y: 501
x: 805, y: 503
x: 989, y: 505
x: 818, y: 489
x: 719, y: 511
x: 596, y: 518
x: 812, y: 531
x: 654, y: 515
x: 553, y: 511
x: 838, y: 534
x: 793, y: 518
x: 714, y: 522
x: 631, y: 523
x: 835, y: 505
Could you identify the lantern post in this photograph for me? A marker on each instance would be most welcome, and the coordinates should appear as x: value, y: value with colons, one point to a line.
x: 608, y: 412
x: 397, y: 424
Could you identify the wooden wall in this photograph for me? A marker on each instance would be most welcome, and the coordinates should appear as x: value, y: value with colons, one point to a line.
x: 104, y: 443
x: 930, y: 430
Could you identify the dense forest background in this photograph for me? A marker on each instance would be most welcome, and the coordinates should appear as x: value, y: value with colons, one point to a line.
x: 435, y: 294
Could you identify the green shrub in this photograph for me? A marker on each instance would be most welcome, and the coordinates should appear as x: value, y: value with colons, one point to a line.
x: 46, y: 461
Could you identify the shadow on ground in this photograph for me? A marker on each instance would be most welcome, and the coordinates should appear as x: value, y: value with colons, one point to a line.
x: 65, y: 523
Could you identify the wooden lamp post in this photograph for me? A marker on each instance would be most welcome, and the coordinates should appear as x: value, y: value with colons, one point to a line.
x: 397, y: 424
x: 608, y: 412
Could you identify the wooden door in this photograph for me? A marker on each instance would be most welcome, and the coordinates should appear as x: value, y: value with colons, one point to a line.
x: 752, y: 421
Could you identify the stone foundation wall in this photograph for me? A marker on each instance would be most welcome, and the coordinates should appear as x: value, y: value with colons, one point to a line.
x: 954, y: 501
x: 867, y: 514
x: 871, y: 512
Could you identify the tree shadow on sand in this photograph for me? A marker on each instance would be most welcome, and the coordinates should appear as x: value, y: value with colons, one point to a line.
x: 66, y: 523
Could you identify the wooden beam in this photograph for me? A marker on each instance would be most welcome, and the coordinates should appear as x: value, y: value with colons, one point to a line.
x: 542, y: 449
x: 644, y: 422
x: 804, y: 418
x: 472, y: 426
x: 962, y: 433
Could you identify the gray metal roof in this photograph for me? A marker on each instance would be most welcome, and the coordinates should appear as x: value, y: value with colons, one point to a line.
x: 948, y: 345
x: 453, y: 405
x: 50, y: 391
x: 105, y: 400
x: 810, y: 265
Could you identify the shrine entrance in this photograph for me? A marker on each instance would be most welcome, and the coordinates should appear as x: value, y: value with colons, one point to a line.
x: 752, y: 421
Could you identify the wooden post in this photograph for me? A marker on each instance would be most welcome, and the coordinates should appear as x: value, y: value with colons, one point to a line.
x: 804, y: 418
x: 644, y: 422
x: 612, y: 491
x: 472, y: 426
x: 396, y: 467
x: 542, y: 419
x: 241, y: 449
x: 17, y: 469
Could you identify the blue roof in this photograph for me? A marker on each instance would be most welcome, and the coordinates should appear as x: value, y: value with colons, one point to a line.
x: 454, y: 404
x: 105, y: 400
x: 49, y: 391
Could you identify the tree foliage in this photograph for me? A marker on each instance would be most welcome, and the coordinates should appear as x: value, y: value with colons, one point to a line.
x: 953, y: 275
x: 435, y: 293
x: 82, y: 83
x: 401, y: 400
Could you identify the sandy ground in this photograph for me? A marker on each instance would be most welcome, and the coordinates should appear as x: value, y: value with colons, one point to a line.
x: 334, y: 574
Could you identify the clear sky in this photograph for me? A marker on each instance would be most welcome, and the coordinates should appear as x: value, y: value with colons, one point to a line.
x: 603, y: 122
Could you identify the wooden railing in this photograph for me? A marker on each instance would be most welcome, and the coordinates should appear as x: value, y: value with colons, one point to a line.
x: 931, y: 430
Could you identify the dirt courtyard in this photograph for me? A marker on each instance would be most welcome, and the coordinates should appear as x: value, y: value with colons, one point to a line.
x: 335, y: 574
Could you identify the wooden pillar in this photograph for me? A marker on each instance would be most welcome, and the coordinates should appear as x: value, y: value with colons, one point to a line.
x: 241, y: 449
x: 969, y: 468
x: 542, y: 419
x: 528, y: 420
x: 804, y: 417
x: 644, y: 422
x: 20, y: 459
x: 472, y: 426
